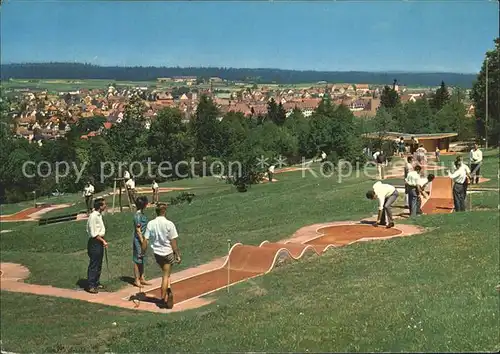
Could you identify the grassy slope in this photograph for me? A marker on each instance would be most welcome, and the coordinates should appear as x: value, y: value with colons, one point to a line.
x: 358, y: 298
x: 423, y: 293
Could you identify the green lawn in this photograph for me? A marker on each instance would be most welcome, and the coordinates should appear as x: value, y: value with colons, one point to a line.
x: 422, y: 293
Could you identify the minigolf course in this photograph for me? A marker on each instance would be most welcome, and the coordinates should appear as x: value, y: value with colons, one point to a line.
x: 245, y: 261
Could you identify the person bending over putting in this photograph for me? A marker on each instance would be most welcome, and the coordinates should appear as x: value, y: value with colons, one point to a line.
x: 386, y: 195
x: 139, y: 245
x: 161, y: 233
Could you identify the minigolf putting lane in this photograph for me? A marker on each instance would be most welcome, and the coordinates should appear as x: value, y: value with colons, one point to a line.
x: 441, y: 199
x: 247, y: 262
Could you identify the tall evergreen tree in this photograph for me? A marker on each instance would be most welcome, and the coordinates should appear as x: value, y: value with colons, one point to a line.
x: 440, y: 98
x: 389, y: 97
x: 275, y: 112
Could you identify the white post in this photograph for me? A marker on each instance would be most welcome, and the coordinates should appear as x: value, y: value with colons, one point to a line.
x: 114, y: 194
x: 228, y: 264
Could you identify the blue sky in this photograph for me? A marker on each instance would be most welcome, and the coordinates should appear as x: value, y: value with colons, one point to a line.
x: 422, y: 35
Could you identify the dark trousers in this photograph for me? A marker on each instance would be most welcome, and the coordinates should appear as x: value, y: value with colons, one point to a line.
x: 88, y: 202
x: 270, y: 176
x: 459, y: 197
x: 475, y: 169
x: 413, y: 201
x: 386, y: 216
x: 95, y: 251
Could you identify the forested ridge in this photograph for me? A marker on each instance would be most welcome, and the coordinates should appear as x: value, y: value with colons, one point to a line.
x: 79, y: 71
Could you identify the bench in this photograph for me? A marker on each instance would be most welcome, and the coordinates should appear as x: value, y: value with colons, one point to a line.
x: 55, y: 219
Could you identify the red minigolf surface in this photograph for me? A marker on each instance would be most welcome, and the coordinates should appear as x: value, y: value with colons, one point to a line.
x: 22, y: 215
x: 441, y: 199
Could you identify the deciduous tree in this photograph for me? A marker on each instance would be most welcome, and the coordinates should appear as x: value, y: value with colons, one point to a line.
x: 478, y: 95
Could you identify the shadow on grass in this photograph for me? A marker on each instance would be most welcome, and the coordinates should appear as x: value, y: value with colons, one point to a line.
x: 142, y: 297
x: 82, y: 283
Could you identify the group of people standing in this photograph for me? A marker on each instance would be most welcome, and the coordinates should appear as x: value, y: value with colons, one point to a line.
x: 160, y: 234
x: 417, y: 186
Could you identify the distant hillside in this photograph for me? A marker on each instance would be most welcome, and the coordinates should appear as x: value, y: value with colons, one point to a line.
x: 77, y: 71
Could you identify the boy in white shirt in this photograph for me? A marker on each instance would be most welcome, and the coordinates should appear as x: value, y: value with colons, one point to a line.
x: 161, y: 234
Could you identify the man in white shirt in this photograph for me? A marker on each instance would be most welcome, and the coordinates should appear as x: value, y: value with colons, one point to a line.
x: 270, y: 173
x: 156, y: 194
x: 323, y: 156
x: 95, y: 245
x: 130, y: 184
x: 459, y: 178
x: 408, y: 169
x: 424, y: 190
x: 476, y: 158
x: 413, y: 187
x: 88, y: 193
x: 459, y: 162
x: 386, y: 195
x: 161, y: 234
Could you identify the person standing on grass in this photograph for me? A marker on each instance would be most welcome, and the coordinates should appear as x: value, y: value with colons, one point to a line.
x: 161, y: 233
x: 270, y: 173
x: 475, y: 159
x: 139, y: 243
x: 414, y: 190
x: 408, y: 169
x: 95, y: 245
x: 323, y: 156
x: 88, y: 193
x: 386, y: 195
x: 126, y: 175
x: 459, y: 162
x: 130, y: 184
x: 414, y: 145
x: 402, y: 147
x: 421, y: 155
x: 438, y: 154
x: 380, y: 160
x: 156, y: 192
x: 459, y: 178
